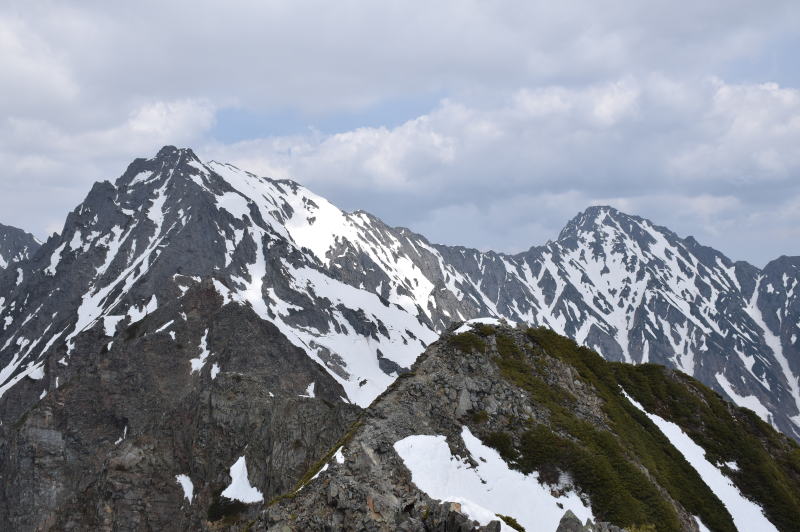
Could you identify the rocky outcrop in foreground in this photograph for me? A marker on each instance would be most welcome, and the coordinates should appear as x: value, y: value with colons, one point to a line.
x: 499, y: 403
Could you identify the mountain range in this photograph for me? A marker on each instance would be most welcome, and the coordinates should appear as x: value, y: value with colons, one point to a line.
x: 191, y: 310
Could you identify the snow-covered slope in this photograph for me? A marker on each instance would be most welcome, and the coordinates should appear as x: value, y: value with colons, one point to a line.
x: 363, y: 299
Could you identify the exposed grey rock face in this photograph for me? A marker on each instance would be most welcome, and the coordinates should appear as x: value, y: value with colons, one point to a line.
x: 171, y: 220
x: 103, y: 450
x: 15, y: 245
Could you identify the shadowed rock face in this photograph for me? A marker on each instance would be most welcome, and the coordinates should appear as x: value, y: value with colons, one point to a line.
x: 15, y: 245
x: 102, y: 452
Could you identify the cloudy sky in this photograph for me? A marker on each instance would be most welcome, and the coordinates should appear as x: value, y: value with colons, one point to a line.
x: 475, y: 122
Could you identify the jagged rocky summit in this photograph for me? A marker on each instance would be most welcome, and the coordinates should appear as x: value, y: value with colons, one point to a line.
x: 15, y: 245
x: 197, y: 336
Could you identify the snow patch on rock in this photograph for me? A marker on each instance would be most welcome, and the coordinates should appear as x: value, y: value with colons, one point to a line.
x: 486, y: 490
x: 199, y: 362
x: 110, y: 324
x: 186, y: 484
x: 309, y: 391
x: 240, y: 488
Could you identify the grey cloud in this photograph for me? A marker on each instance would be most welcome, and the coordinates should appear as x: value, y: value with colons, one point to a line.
x: 707, y: 152
x: 548, y: 107
x: 318, y: 55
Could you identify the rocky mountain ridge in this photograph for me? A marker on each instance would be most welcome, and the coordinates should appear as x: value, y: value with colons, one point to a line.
x: 197, y: 337
x: 15, y: 245
x: 617, y: 283
x: 514, y: 427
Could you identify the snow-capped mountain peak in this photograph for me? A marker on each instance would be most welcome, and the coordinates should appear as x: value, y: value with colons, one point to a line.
x: 363, y: 299
x: 170, y: 220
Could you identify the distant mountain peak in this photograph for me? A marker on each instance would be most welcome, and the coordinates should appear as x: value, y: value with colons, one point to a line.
x: 15, y: 245
x: 594, y: 217
x: 597, y: 210
x: 169, y: 163
x: 171, y: 152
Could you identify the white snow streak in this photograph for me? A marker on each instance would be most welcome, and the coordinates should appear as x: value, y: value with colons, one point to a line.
x: 199, y: 362
x: 774, y: 344
x: 746, y: 514
x: 55, y: 258
x: 746, y: 401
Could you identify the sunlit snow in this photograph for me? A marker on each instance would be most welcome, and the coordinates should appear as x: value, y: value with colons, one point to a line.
x: 485, y: 490
x: 186, y: 484
x: 746, y: 514
x: 199, y: 362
